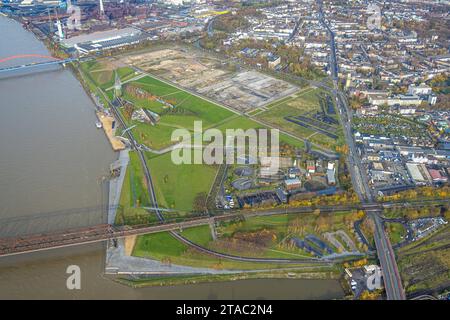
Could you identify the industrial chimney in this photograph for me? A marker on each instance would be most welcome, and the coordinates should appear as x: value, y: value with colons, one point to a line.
x: 60, y: 31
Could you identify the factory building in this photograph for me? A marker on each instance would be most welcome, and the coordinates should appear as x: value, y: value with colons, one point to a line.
x: 104, y: 40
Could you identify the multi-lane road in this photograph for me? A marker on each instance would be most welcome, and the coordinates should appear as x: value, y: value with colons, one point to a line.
x: 391, y: 276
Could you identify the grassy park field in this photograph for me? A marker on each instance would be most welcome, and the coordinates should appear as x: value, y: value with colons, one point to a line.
x: 103, y: 74
x: 134, y: 196
x: 181, y: 187
x: 165, y: 248
x: 304, y: 103
x: 187, y: 109
x: 177, y: 186
x: 396, y: 231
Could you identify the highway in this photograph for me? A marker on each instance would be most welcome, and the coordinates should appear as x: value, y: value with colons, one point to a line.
x: 391, y: 276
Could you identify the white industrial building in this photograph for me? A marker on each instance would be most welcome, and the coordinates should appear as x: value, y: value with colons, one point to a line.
x: 102, y: 40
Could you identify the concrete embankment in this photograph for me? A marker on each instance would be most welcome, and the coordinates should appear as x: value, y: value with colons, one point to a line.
x: 119, y: 168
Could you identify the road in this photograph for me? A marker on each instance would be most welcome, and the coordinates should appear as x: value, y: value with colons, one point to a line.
x: 391, y: 276
x: 298, y: 24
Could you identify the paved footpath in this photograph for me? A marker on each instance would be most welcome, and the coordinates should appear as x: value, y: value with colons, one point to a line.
x: 115, y: 185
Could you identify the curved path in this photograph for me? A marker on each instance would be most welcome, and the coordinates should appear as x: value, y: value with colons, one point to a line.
x: 250, y: 259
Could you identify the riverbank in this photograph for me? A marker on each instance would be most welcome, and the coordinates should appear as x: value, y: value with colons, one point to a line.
x: 118, y: 170
x: 108, y: 125
x: 142, y: 282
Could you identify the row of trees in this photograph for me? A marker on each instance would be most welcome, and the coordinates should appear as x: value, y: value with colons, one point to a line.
x: 336, y: 199
x: 419, y: 193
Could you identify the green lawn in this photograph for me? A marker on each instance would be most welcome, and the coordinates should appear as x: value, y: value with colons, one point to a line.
x: 302, y: 102
x: 134, y: 195
x: 101, y: 74
x: 396, y: 231
x: 178, y: 185
x: 208, y: 112
x: 156, y: 137
x: 200, y: 235
x: 125, y: 73
x: 188, y: 108
x: 240, y: 122
x: 159, y: 136
x: 100, y: 77
x: 163, y: 247
x: 158, y: 246
x: 154, y: 105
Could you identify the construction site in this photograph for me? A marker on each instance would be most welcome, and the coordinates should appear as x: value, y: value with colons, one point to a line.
x: 241, y: 90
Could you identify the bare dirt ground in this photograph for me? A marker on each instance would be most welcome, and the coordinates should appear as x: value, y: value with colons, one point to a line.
x: 243, y: 90
x: 107, y: 121
x: 129, y: 244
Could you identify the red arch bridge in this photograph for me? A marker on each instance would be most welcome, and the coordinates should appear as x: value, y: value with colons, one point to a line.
x: 48, y: 60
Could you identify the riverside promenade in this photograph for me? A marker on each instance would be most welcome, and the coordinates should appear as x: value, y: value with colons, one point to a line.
x: 115, y: 184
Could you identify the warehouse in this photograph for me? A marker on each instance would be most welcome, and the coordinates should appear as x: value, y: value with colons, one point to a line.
x: 104, y: 40
x: 416, y: 173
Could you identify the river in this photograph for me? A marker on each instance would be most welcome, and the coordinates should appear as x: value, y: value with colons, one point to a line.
x: 52, y: 160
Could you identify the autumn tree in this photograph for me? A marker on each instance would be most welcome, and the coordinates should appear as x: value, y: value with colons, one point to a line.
x: 200, y: 202
x: 366, y: 295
